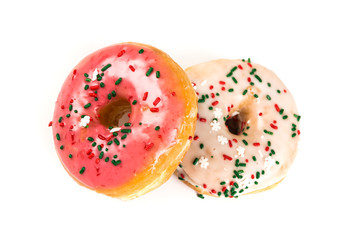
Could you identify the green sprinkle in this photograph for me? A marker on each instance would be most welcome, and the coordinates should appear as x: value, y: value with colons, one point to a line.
x: 106, y: 67
x: 157, y: 128
x: 70, y: 107
x: 249, y: 60
x: 278, y: 91
x: 268, y: 132
x: 241, y: 190
x: 134, y: 102
x: 123, y: 137
x: 68, y: 115
x: 254, y: 158
x: 99, y: 147
x: 82, y: 170
x: 234, y: 79
x: 115, y: 163
x: 268, y: 97
x: 285, y: 117
x: 277, y: 162
x: 211, y: 108
x: 257, y: 175
x: 281, y: 111
x: 113, y: 93
x: 253, y: 71
x: 236, y: 184
x: 125, y: 130
x: 70, y: 155
x: 86, y: 75
x: 256, y: 96
x: 195, y: 161
x: 244, y: 133
x: 90, y: 139
x: 245, y: 142
x: 201, y: 146
x: 88, y: 79
x: 242, y: 165
x: 60, y: 118
x: 217, y: 94
x: 231, y: 90
x: 297, y: 117
x: 272, y: 151
x: 102, y: 84
x: 101, y: 155
x: 157, y: 74
x: 237, y: 174
x: 58, y: 137
x: 252, y: 84
x: 115, y: 134
x: 116, y: 141
x: 106, y: 159
x: 293, y: 135
x: 110, y: 142
x: 258, y: 78
x: 141, y: 51
x: 127, y: 124
x: 222, y: 183
x: 219, y: 194
x: 180, y: 178
x: 149, y: 71
x: 109, y: 96
x: 62, y: 147
x: 87, y: 105
x: 93, y: 144
x: 200, y: 196
x: 269, y: 84
x: 244, y: 92
x: 118, y: 81
x: 269, y: 143
x: 231, y: 71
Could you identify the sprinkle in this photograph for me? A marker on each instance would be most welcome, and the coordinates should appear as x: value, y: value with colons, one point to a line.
x: 106, y: 67
x: 240, y: 151
x: 149, y: 71
x: 70, y: 155
x: 123, y: 137
x: 154, y: 109
x: 195, y: 161
x: 113, y: 93
x: 293, y: 135
x: 157, y: 74
x: 215, y: 103
x: 217, y: 113
x: 141, y: 51
x: 149, y: 146
x: 226, y: 157
x: 118, y: 81
x: 254, y: 158
x: 223, y: 140
x: 256, y: 96
x: 109, y: 142
x: 157, y: 128
x: 58, y: 137
x: 240, y: 67
x: 132, y: 68
x: 258, y: 78
x: 273, y: 126
x: 121, y: 53
x: 87, y: 105
x: 285, y: 117
x: 157, y: 100
x: 231, y: 90
x: 115, y: 163
x: 134, y: 102
x: 268, y: 132
x: 245, y: 142
x: 200, y: 196
x: 231, y: 71
x: 204, y: 162
x: 244, y: 92
x: 277, y: 108
x: 297, y: 117
x: 256, y: 144
x: 202, y: 119
x: 145, y: 96
x: 234, y: 79
x: 268, y: 97
x: 125, y: 130
x: 253, y: 71
x: 201, y: 146
x: 116, y: 141
x: 82, y: 170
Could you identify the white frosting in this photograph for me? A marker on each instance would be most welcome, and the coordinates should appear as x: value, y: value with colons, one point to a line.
x: 255, y: 159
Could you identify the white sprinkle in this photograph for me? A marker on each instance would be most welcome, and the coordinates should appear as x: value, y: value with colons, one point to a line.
x: 260, y: 153
x: 84, y: 121
x: 204, y: 162
x: 115, y: 130
x: 217, y: 113
x: 223, y: 140
x: 235, y: 113
x: 269, y: 162
x: 215, y: 125
x: 203, y: 83
x: 240, y: 151
x: 95, y: 73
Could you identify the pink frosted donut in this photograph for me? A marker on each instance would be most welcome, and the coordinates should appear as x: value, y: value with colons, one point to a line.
x: 124, y: 119
x: 247, y: 131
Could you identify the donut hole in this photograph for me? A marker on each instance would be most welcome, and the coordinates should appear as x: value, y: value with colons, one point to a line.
x: 236, y: 124
x: 115, y: 114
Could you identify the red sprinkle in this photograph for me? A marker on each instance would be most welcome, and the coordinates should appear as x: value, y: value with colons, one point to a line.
x: 249, y: 79
x: 92, y: 94
x: 249, y: 64
x: 202, y: 120
x: 239, y: 66
x: 273, y: 126
x: 94, y: 87
x: 196, y: 138
x: 267, y: 148
x: 71, y: 101
x: 173, y: 93
x: 145, y: 96
x: 50, y: 124
x: 284, y: 90
x: 222, y: 82
x: 157, y: 100
x: 226, y: 157
x: 91, y: 155
x: 298, y: 132
x: 89, y: 151
x: 121, y: 53
x: 62, y: 106
x: 215, y: 103
x: 213, y: 191
x: 256, y: 144
x: 71, y: 127
x: 74, y: 72
x: 260, y: 113
x: 212, y: 95
x: 149, y: 146
x: 97, y: 161
x: 277, y: 108
x: 101, y: 137
x: 252, y: 176
x: 61, y: 124
x: 211, y: 87
x: 235, y: 140
x: 247, y: 160
x: 223, y: 189
x: 190, y: 137
x: 231, y: 183
x: 132, y: 68
x: 223, y: 88
x: 154, y: 109
x: 204, y: 185
x: 230, y: 143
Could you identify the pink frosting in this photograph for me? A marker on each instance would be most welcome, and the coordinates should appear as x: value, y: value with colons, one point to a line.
x: 163, y: 107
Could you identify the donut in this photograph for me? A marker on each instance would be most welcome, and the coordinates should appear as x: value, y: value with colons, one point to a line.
x: 246, y: 133
x: 124, y: 119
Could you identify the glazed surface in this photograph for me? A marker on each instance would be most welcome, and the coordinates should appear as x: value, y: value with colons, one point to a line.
x: 106, y: 157
x: 221, y: 163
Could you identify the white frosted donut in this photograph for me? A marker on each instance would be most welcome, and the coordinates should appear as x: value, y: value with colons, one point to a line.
x: 246, y: 133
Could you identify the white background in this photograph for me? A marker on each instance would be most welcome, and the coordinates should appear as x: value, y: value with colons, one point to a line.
x: 313, y: 47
